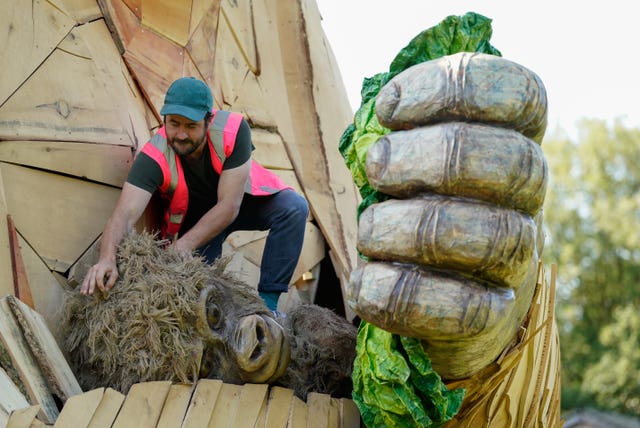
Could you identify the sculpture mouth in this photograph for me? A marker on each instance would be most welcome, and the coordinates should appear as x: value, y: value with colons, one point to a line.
x: 262, y: 349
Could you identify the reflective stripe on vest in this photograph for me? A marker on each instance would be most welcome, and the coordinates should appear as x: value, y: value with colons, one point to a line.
x: 221, y: 139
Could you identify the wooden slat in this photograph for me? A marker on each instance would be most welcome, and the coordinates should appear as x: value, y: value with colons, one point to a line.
x: 143, y: 405
x: 299, y: 414
x: 76, y: 212
x: 202, y: 403
x: 24, y: 363
x: 278, y: 407
x: 226, y: 408
x: 252, y: 405
x: 175, y: 406
x: 44, y: 347
x: 107, y: 410
x: 349, y: 414
x: 11, y: 398
x: 323, y: 411
x: 78, y: 410
x: 104, y: 163
x: 22, y: 418
x: 37, y: 28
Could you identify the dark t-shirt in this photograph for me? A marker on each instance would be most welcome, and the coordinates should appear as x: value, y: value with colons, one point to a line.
x: 202, y: 180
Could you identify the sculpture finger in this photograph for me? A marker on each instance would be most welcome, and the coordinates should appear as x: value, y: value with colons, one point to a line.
x: 492, y: 164
x: 466, y: 86
x: 464, y: 324
x: 491, y: 243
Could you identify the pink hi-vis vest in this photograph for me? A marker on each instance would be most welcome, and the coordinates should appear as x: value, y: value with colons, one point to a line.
x: 221, y: 138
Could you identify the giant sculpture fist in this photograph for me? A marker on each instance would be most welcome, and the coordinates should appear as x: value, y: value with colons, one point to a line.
x: 453, y: 256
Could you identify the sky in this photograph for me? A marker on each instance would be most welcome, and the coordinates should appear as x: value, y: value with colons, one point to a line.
x: 586, y: 53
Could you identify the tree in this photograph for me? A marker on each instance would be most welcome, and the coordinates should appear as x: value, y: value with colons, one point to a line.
x: 592, y: 217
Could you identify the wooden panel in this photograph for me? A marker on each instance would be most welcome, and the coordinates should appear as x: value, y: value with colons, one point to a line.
x: 82, y: 11
x: 238, y: 16
x: 24, y: 363
x: 323, y: 411
x: 51, y: 105
x: 252, y: 405
x: 143, y: 405
x: 270, y: 151
x: 168, y: 17
x: 52, y: 362
x: 175, y: 407
x: 78, y: 411
x: 76, y: 212
x: 48, y: 294
x: 11, y: 398
x: 226, y: 408
x: 252, y: 103
x: 107, y: 410
x: 36, y: 29
x: 202, y: 404
x: 349, y: 413
x: 103, y: 163
x: 202, y: 48
x: 280, y: 401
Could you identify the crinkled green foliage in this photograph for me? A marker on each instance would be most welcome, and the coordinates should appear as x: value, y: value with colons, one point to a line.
x: 394, y: 384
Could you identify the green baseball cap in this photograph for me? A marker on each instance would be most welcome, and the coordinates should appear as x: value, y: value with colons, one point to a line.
x: 188, y: 97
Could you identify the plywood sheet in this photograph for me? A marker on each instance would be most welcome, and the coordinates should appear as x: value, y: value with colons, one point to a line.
x: 33, y: 28
x: 104, y: 163
x: 240, y: 20
x: 59, y: 216
x: 230, y: 68
x: 202, y: 43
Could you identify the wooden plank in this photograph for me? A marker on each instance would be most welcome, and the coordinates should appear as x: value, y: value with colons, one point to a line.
x: 169, y: 18
x: 6, y: 281
x: 25, y: 364
x: 37, y: 28
x: 175, y: 406
x: 229, y: 65
x: 202, y: 404
x: 252, y: 404
x: 11, y: 399
x: 23, y: 417
x: 76, y: 212
x: 226, y: 408
x: 78, y: 410
x: 349, y: 414
x: 21, y: 287
x: 47, y: 291
x: 107, y: 410
x: 104, y: 163
x: 143, y: 405
x: 299, y: 415
x: 44, y: 347
x: 278, y: 407
x: 238, y: 16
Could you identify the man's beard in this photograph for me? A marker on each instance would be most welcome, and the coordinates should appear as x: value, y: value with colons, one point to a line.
x: 185, y: 147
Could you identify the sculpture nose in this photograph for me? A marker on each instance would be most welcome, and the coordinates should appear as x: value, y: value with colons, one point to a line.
x: 259, y: 348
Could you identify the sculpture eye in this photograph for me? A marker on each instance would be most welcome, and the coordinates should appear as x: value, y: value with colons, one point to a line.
x: 214, y: 315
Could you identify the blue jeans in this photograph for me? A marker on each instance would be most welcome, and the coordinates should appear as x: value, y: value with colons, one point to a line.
x: 284, y: 214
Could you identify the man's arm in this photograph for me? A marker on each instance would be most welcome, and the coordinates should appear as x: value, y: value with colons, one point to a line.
x: 230, y: 193
x: 131, y: 203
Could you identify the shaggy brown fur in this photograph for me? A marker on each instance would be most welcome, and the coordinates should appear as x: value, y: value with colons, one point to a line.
x: 152, y: 326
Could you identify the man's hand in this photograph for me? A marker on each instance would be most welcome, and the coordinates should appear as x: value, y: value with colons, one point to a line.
x: 454, y: 259
x: 96, y: 275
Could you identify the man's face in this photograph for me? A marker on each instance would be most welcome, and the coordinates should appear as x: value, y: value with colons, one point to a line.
x: 185, y: 136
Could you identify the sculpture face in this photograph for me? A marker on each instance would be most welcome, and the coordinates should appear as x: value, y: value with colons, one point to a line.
x: 243, y: 342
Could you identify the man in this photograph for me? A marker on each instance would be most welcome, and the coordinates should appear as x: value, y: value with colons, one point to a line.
x: 200, y: 163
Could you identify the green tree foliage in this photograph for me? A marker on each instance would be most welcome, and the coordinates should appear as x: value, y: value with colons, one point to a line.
x: 592, y: 218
